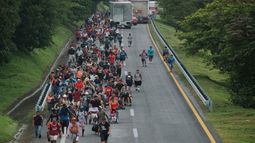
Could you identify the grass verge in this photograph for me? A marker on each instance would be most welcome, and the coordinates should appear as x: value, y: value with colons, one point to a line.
x: 7, y: 128
x: 22, y: 74
x: 234, y: 124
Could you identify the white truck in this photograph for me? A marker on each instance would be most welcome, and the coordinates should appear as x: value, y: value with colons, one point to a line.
x: 121, y: 13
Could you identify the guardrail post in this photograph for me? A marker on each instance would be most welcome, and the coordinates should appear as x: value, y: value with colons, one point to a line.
x: 192, y: 81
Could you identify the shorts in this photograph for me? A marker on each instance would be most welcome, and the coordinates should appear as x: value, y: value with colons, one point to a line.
x: 64, y: 123
x: 138, y: 83
x: 150, y: 57
x: 124, y: 95
x: 122, y: 59
x: 129, y: 84
x: 104, y: 136
x: 53, y: 137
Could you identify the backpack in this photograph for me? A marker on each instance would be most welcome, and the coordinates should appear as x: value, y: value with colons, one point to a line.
x: 122, y: 55
x: 74, y: 129
x: 95, y: 128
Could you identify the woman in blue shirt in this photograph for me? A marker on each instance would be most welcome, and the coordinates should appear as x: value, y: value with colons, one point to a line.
x: 150, y: 53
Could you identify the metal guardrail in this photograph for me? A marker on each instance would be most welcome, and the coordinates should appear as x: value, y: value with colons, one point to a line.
x: 42, y: 99
x: 192, y: 81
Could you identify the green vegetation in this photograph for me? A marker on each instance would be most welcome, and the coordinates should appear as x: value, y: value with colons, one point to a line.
x: 7, y: 128
x: 233, y: 123
x: 32, y: 34
x: 230, y: 47
x: 223, y: 32
x: 103, y: 6
x: 30, y: 24
x: 24, y: 72
x: 176, y: 10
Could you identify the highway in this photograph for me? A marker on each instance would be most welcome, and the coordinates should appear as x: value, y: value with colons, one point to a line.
x: 159, y: 113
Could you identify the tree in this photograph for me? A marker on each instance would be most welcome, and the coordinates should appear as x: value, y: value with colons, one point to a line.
x: 9, y: 20
x: 38, y: 19
x: 226, y: 30
x: 84, y: 8
x: 176, y: 10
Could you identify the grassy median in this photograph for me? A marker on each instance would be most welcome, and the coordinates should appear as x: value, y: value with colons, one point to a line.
x: 233, y: 123
x: 23, y: 73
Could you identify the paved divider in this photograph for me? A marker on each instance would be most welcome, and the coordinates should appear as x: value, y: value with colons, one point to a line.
x: 192, y: 81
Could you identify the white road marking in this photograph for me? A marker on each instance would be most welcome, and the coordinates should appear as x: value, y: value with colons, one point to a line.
x: 132, y: 112
x: 135, y: 132
x: 63, y: 139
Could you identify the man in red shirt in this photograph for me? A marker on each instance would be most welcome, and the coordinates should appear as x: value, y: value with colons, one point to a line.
x: 76, y: 97
x: 112, y: 58
x: 79, y: 84
x: 108, y: 92
x: 53, y: 130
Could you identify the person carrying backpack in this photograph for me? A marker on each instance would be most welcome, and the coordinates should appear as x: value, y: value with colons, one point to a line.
x: 123, y: 56
x: 38, y: 122
x: 171, y: 61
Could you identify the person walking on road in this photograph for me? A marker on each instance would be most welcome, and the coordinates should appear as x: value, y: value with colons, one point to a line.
x: 151, y: 53
x: 144, y: 56
x: 71, y: 55
x: 138, y: 80
x: 53, y: 131
x: 104, y: 129
x: 165, y: 53
x: 123, y: 56
x: 129, y: 38
x: 74, y: 130
x: 119, y: 37
x: 171, y: 61
x: 129, y: 80
x: 38, y: 122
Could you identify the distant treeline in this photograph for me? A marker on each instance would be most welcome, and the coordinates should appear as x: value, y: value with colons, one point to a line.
x: 225, y: 31
x: 29, y: 24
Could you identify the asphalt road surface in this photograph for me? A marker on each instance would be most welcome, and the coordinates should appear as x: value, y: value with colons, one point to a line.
x: 159, y: 113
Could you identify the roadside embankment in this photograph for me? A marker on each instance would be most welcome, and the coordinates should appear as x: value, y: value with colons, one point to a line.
x: 233, y: 123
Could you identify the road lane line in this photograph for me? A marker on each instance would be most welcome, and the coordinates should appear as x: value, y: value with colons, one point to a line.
x: 135, y: 132
x: 63, y: 139
x: 193, y: 109
x: 132, y: 112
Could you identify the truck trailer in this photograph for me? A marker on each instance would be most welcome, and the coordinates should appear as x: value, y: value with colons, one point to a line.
x: 121, y: 13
